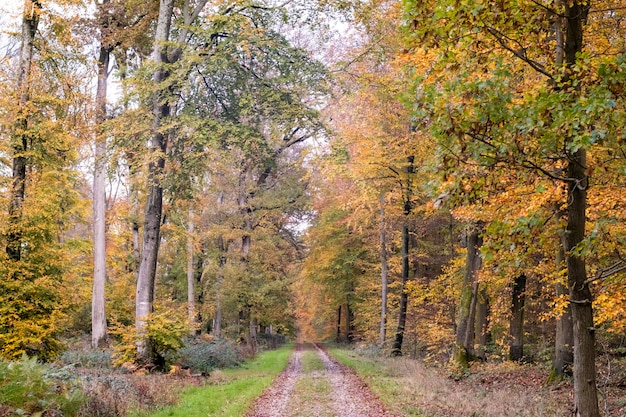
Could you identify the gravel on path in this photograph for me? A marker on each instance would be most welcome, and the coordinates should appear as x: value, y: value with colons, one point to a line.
x: 349, y: 396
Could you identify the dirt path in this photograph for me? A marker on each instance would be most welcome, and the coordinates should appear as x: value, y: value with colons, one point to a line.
x: 314, y: 385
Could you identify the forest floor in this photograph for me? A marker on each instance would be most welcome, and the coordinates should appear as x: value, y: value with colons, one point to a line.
x: 315, y: 385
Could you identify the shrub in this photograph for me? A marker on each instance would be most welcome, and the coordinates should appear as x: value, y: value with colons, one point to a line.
x: 164, y: 333
x: 28, y: 387
x: 116, y: 394
x: 203, y: 356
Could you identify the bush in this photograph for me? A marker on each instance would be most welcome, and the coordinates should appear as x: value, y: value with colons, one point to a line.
x: 203, y: 356
x: 28, y: 387
x: 116, y: 394
x: 164, y: 332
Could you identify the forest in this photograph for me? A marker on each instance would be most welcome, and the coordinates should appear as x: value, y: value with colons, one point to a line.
x: 439, y: 180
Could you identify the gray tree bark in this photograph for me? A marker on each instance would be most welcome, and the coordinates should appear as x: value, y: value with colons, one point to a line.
x: 154, y: 205
x: 161, y: 108
x: 19, y: 137
x: 191, y: 277
x: 98, y: 310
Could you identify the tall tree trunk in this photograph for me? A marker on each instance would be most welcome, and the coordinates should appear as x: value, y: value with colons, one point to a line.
x: 154, y: 205
x: 384, y: 267
x: 217, y: 321
x: 19, y: 139
x: 98, y: 312
x: 564, y: 338
x: 481, y: 325
x: 191, y: 276
x: 516, y: 325
x: 396, y: 349
x: 349, y: 321
x: 338, y: 338
x: 464, y: 330
x: 585, y: 389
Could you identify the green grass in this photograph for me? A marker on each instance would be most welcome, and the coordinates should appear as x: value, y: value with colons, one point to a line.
x: 232, y: 394
x: 381, y: 379
x: 311, y: 362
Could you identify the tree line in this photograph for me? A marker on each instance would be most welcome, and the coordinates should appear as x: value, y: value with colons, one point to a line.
x: 480, y: 159
x: 447, y: 179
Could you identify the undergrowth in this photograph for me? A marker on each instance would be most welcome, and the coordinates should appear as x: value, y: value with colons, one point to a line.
x: 230, y: 392
x: 30, y: 388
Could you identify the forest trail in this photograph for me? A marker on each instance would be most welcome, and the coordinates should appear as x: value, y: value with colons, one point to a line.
x: 315, y: 385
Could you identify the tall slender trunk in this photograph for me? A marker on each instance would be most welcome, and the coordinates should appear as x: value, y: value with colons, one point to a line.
x: 384, y: 267
x: 481, y: 324
x: 154, y: 204
x: 396, y: 349
x: 98, y: 312
x: 191, y: 276
x: 564, y: 338
x: 516, y: 327
x: 585, y: 388
x: 338, y: 338
x: 19, y: 139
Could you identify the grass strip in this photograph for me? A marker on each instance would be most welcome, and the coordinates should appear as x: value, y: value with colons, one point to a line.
x: 235, y: 390
x: 311, y: 362
x: 385, y: 383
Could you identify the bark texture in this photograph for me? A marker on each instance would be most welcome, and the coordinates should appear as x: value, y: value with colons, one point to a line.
x: 396, y: 349
x: 19, y: 139
x: 154, y: 204
x: 191, y: 276
x: 98, y: 312
x: 464, y: 342
x: 564, y: 337
x: 585, y: 388
x: 516, y: 325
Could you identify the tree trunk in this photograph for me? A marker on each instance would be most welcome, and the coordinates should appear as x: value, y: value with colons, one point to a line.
x: 481, y: 325
x: 384, y: 273
x: 98, y: 312
x: 516, y: 327
x: 349, y: 322
x: 19, y: 139
x: 154, y: 205
x: 338, y: 338
x: 585, y: 390
x: 564, y: 339
x: 191, y: 277
x: 217, y: 321
x: 396, y: 349
x: 253, y: 333
x: 464, y: 342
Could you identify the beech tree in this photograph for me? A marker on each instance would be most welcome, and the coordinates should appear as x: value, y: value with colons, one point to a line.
x: 521, y: 124
x: 42, y: 113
